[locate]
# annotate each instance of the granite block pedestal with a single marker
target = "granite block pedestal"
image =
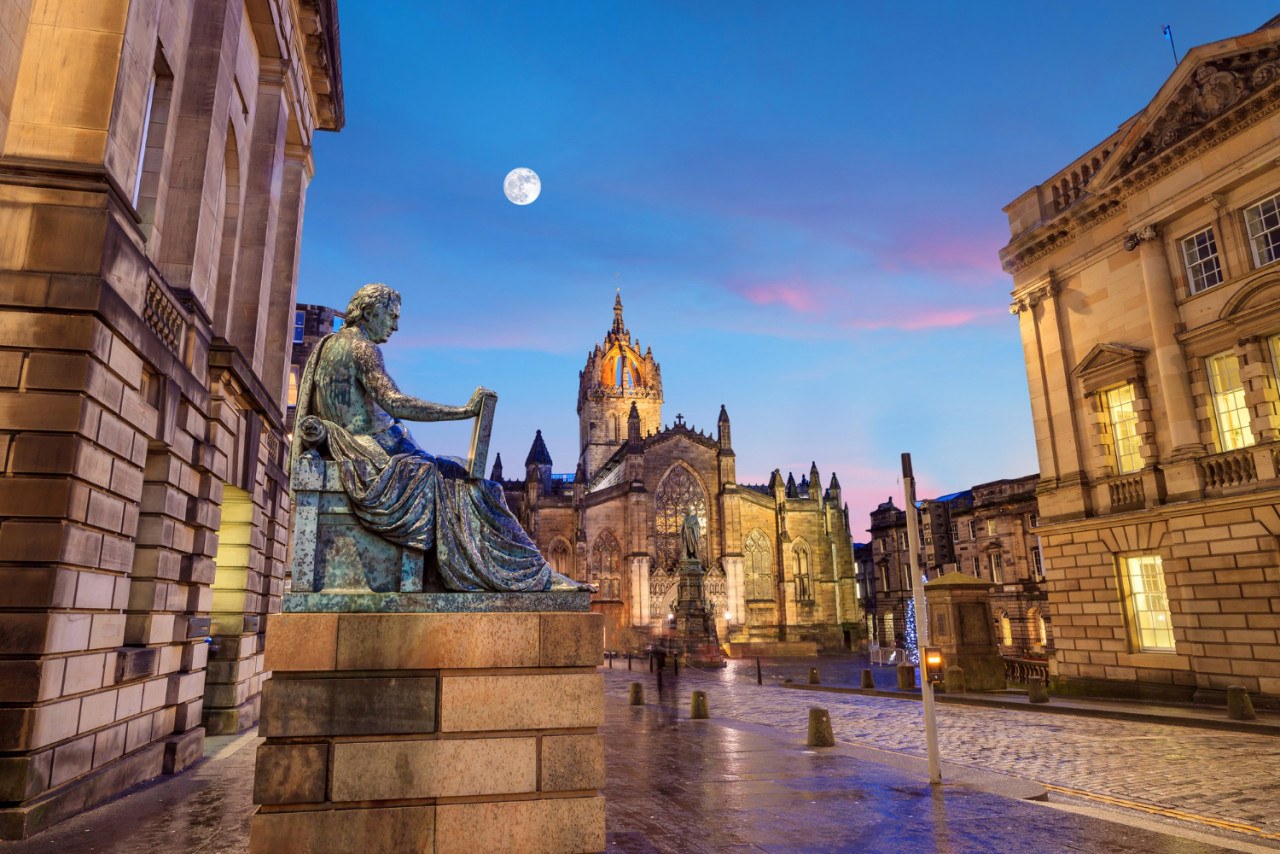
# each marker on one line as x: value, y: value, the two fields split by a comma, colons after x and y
x: 472, y: 727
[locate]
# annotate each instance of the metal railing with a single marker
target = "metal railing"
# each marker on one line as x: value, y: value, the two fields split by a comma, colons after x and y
x: 887, y: 655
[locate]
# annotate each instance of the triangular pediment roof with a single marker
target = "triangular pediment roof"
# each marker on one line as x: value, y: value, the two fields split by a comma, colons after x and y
x: 1210, y: 85
x: 1103, y: 356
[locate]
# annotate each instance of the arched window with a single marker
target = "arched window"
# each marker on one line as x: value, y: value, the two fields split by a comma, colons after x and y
x: 1006, y: 629
x: 1042, y: 630
x: 758, y: 556
x: 679, y: 493
x: 890, y: 638
x: 605, y: 559
x: 560, y: 560
x: 800, y: 566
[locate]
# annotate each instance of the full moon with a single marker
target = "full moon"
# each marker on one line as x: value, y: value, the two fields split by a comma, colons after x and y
x: 522, y: 185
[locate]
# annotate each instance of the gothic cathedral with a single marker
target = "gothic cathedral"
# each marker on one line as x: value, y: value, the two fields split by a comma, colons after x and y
x: 779, y: 557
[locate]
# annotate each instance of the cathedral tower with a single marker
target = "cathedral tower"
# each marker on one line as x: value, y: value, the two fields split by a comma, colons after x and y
x: 616, y: 377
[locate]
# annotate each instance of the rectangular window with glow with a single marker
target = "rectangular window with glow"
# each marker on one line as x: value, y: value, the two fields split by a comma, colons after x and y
x: 293, y: 385
x: 1231, y: 415
x: 1263, y: 223
x: 1200, y: 257
x: 1149, y: 603
x: 991, y: 527
x: 1124, y: 428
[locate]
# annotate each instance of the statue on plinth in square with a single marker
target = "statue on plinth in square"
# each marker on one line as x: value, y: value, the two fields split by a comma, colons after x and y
x: 689, y: 534
x: 349, y: 405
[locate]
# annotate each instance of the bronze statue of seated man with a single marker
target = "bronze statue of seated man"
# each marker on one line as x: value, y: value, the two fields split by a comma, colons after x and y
x: 395, y: 488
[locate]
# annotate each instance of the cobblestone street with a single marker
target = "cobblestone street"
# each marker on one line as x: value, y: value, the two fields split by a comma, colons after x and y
x: 1222, y: 776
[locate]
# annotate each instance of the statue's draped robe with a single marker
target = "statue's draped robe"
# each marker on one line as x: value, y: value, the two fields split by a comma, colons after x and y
x: 407, y: 496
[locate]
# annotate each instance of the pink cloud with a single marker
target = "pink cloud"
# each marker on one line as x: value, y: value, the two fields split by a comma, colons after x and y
x: 794, y: 294
x: 927, y: 319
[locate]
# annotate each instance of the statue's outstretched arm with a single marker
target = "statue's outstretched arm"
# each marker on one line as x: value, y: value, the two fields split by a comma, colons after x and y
x: 400, y: 405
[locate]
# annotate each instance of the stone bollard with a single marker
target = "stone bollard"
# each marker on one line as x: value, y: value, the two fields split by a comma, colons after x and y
x: 1036, y: 692
x: 698, y: 710
x: 906, y: 677
x: 820, y: 728
x: 1239, y: 706
x: 813, y: 676
x: 637, y: 694
x: 868, y: 681
x: 954, y: 679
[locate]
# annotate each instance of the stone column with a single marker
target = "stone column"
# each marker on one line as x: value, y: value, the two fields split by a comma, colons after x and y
x: 1171, y: 365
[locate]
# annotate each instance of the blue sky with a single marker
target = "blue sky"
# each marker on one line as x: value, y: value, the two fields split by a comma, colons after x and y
x: 801, y: 203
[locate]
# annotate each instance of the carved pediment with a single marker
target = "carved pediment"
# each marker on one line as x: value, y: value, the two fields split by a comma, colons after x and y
x: 1259, y: 295
x: 1212, y: 87
x: 1109, y: 364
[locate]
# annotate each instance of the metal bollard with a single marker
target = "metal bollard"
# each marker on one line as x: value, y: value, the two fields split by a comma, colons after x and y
x: 628, y: 661
x: 868, y: 681
x: 659, y: 683
x: 813, y: 676
x: 1239, y: 706
x: 698, y: 710
x: 759, y: 676
x: 820, y: 734
x: 954, y: 679
x: 610, y: 655
x: 651, y: 662
x: 637, y: 694
x: 675, y: 664
x: 1036, y: 692
x: 906, y: 677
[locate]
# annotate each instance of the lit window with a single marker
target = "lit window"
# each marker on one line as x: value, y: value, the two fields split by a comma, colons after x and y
x: 804, y: 587
x: 997, y: 573
x: 293, y: 385
x: 1042, y: 628
x: 757, y: 553
x: 888, y: 628
x: 299, y: 325
x: 1124, y: 428
x: 1038, y: 563
x: 1230, y: 412
x: 1006, y: 629
x: 1149, y: 603
x: 1263, y: 222
x: 1200, y: 256
x: 991, y: 527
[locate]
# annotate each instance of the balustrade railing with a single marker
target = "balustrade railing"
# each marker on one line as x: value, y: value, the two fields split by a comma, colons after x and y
x: 1127, y: 493
x: 1233, y: 468
x: 1020, y: 670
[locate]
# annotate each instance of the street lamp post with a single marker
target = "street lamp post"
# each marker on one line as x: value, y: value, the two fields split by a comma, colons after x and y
x: 922, y: 627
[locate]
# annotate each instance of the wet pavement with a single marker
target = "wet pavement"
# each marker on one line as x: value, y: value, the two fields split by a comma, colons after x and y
x: 744, y: 781
x: 1217, y: 778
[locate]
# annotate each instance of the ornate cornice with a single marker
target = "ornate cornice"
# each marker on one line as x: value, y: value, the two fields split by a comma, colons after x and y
x: 1033, y: 296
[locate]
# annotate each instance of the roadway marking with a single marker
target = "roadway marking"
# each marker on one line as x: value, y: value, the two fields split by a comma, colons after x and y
x: 1236, y: 826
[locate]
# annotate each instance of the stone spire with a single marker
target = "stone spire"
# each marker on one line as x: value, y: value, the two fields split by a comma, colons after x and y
x: 538, y: 453
x: 618, y: 327
x: 633, y: 425
x: 723, y: 433
x: 496, y: 474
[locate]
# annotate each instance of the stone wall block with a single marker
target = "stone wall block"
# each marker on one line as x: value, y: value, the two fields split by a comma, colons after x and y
x: 572, y: 762
x: 572, y: 640
x: 291, y: 773
x: 344, y: 831
x: 302, y: 707
x: 392, y: 770
x: 432, y: 641
x: 530, y: 827
x: 548, y: 701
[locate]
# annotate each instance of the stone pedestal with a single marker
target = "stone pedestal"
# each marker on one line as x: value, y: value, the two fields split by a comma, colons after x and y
x: 960, y: 624
x: 695, y: 634
x: 471, y: 726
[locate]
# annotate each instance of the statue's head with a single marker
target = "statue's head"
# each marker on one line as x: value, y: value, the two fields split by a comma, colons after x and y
x: 375, y: 308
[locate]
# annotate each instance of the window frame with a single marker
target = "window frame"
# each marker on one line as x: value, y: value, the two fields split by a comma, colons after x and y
x: 1237, y: 406
x: 1138, y: 629
x: 1251, y: 219
x: 995, y: 563
x: 299, y: 326
x: 1197, y: 268
x: 1128, y: 457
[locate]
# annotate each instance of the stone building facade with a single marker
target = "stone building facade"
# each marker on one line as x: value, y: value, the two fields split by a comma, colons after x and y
x: 1147, y: 294
x: 154, y: 161
x: 779, y: 558
x: 989, y: 532
x: 310, y: 324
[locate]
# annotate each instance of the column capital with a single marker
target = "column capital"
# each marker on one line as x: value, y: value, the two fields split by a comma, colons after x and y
x: 1028, y: 298
x: 1146, y: 234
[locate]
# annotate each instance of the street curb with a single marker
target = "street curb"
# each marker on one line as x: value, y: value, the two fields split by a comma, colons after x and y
x: 1250, y: 727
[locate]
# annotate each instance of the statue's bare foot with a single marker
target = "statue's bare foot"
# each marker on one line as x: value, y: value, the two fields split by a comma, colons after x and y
x: 562, y: 582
